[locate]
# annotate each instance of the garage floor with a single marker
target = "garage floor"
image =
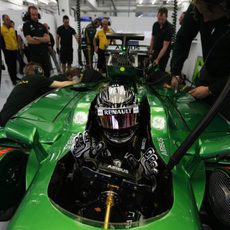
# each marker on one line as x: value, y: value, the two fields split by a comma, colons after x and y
x: 6, y: 87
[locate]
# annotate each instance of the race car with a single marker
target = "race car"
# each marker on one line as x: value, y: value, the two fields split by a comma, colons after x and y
x: 119, y: 153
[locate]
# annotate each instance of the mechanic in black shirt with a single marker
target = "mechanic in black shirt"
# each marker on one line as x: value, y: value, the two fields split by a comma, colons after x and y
x: 30, y: 87
x: 65, y: 35
x: 89, y: 34
x: 212, y: 20
x: 160, y: 44
x: 37, y: 38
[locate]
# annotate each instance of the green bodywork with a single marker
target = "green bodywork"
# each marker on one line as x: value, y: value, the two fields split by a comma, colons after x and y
x: 42, y: 130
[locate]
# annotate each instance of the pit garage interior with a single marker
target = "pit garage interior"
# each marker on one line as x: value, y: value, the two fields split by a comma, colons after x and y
x: 194, y: 141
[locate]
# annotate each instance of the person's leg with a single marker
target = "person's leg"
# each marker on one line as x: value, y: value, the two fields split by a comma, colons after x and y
x: 70, y: 59
x: 104, y: 62
x: 101, y: 60
x: 10, y: 58
x: 21, y: 62
x: 63, y: 59
x: 46, y: 65
x: 53, y: 55
x: 90, y: 56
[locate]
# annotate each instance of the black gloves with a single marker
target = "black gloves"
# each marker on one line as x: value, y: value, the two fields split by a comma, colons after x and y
x: 85, y: 147
x: 149, y: 162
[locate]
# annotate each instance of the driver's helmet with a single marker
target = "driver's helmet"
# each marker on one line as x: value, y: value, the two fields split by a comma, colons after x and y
x: 118, y: 113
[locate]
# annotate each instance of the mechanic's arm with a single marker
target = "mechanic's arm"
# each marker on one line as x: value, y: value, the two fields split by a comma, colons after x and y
x: 44, y: 39
x: 162, y: 52
x: 151, y: 45
x: 77, y: 37
x: 58, y: 39
x: 95, y: 44
x: 187, y: 32
x: 61, y: 84
x: 32, y: 41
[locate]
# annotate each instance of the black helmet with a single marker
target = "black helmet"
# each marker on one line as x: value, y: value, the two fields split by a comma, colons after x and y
x: 118, y: 113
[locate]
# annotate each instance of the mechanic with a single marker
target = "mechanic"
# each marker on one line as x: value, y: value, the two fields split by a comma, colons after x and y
x: 115, y: 135
x: 19, y: 56
x: 89, y: 34
x: 160, y: 44
x: 52, y: 52
x: 65, y: 35
x: 100, y: 38
x: 211, y: 19
x: 9, y: 47
x: 38, y: 39
x: 32, y: 86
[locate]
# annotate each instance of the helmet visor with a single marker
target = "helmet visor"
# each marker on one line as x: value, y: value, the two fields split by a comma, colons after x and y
x: 118, y: 118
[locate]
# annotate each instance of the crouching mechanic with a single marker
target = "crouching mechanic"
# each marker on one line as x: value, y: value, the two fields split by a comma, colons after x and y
x: 118, y: 139
x: 32, y: 86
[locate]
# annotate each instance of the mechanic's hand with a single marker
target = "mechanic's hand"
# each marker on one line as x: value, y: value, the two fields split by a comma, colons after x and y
x: 156, y: 61
x: 200, y: 92
x: 149, y: 162
x: 175, y: 82
x: 85, y: 147
x: 58, y: 51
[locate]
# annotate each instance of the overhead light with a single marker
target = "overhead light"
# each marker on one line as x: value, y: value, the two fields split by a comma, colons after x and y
x: 32, y: 1
x: 153, y: 2
x: 17, y: 2
x: 140, y: 2
x: 44, y: 1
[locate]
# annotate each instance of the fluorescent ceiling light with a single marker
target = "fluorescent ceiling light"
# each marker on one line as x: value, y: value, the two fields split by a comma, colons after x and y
x: 17, y: 2
x: 140, y: 2
x: 153, y: 2
x: 44, y: 1
x: 32, y: 1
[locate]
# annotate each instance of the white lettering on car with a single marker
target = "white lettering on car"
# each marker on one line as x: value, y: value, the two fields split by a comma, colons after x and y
x: 162, y: 146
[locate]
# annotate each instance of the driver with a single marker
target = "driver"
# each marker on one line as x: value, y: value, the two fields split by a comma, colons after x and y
x: 119, y: 138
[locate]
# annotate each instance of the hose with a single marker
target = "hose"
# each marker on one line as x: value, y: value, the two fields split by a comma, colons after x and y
x: 78, y: 16
x: 174, y: 20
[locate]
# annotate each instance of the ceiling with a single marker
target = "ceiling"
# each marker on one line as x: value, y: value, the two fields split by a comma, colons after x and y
x: 116, y: 7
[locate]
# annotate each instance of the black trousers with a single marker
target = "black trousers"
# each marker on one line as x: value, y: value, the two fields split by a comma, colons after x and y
x: 11, y: 62
x: 101, y: 63
x: 43, y: 60
x: 88, y: 53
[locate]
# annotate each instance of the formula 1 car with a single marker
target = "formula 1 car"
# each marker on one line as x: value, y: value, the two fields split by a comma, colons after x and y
x: 182, y: 181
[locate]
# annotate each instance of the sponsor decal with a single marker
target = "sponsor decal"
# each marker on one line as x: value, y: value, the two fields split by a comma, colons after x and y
x: 80, y: 118
x: 162, y: 146
x: 115, y: 168
x: 107, y: 112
